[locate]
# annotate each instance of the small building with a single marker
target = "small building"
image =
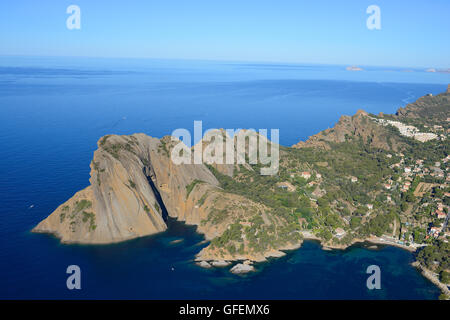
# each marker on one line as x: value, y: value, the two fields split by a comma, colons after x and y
x: 353, y: 179
x: 434, y: 231
x: 340, y: 232
x: 440, y: 214
x: 286, y: 186
x: 369, y: 206
x: 407, y: 169
x: 306, y: 175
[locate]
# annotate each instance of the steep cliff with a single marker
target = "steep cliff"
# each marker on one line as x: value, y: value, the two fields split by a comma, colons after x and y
x: 133, y: 185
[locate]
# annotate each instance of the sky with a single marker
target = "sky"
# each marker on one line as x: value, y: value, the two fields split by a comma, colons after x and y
x: 413, y: 33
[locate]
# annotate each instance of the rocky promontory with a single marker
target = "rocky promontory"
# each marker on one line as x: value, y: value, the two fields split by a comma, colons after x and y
x: 351, y: 183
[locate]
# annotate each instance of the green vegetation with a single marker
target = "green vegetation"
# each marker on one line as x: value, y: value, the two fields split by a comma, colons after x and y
x: 233, y: 233
x: 379, y: 225
x: 375, y: 203
x: 115, y: 148
x: 82, y: 205
x: 89, y: 216
x: 444, y: 277
x: 78, y: 214
x: 335, y: 165
x: 162, y: 147
x: 435, y: 257
x: 191, y: 186
x: 103, y: 140
x: 63, y: 214
x: 202, y: 200
x: 217, y: 216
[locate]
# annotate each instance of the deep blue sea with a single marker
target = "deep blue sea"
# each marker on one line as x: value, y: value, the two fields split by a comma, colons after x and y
x: 53, y: 111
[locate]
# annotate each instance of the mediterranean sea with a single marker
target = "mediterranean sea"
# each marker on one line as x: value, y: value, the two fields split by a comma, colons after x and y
x: 54, y: 110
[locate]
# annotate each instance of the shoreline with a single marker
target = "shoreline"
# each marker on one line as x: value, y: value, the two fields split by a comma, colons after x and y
x: 428, y: 274
x: 372, y: 240
x: 431, y: 276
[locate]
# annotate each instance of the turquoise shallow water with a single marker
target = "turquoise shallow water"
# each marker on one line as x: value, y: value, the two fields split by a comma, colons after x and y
x: 53, y: 111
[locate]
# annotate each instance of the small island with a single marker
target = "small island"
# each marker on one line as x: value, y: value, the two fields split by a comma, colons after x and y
x: 354, y: 68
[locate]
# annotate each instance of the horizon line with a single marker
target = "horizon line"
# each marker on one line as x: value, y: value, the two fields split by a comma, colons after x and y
x: 226, y: 60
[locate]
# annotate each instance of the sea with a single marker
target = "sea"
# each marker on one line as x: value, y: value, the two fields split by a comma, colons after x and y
x: 53, y: 110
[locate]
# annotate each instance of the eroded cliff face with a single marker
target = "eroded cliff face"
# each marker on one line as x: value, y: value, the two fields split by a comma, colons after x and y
x: 130, y: 175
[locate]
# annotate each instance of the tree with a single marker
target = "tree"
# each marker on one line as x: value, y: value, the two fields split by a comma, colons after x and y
x: 444, y: 277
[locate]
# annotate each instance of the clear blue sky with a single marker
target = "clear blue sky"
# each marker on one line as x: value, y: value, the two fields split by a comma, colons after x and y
x: 414, y: 33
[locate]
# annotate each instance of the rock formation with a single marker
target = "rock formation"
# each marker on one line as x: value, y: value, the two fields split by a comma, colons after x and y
x: 359, y: 126
x: 133, y: 185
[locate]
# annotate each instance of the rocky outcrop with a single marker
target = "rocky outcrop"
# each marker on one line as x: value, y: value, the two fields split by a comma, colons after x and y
x: 433, y: 108
x: 220, y: 263
x: 360, y: 126
x: 204, y: 264
x: 133, y: 185
x: 241, y: 268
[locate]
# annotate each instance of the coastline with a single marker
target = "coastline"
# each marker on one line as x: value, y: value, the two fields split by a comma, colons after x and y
x: 431, y: 276
x: 428, y: 274
x: 214, y: 262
